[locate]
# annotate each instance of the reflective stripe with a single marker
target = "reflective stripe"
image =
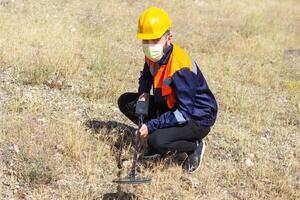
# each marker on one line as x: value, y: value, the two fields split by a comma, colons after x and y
x: 179, y: 117
x: 167, y: 81
x: 153, y: 70
x: 194, y: 67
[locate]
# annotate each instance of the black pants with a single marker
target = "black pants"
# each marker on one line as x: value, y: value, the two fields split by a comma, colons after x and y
x: 180, y: 138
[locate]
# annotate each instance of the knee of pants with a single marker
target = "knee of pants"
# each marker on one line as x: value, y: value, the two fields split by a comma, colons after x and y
x: 122, y: 101
x: 156, y: 143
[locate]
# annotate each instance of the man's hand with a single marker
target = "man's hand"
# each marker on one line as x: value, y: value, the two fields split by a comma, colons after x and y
x: 143, y: 132
x: 144, y: 97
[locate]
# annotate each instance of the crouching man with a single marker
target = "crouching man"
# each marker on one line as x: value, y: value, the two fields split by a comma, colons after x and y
x: 182, y: 108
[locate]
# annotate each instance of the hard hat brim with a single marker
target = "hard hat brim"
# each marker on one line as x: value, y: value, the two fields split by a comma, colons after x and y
x: 152, y: 36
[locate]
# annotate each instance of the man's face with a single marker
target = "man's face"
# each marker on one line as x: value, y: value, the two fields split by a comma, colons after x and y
x: 165, y: 40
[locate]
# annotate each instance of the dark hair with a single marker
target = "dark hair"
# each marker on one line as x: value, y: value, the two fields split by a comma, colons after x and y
x: 168, y: 32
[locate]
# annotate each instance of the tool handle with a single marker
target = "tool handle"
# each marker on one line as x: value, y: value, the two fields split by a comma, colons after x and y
x: 141, y: 119
x: 137, y: 145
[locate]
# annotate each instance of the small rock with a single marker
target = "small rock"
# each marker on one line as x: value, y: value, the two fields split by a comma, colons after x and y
x: 4, y: 2
x: 292, y: 52
x: 16, y: 149
x: 62, y: 183
x: 215, y: 144
x: 297, y: 177
x: 201, y: 3
x: 6, y: 183
x: 264, y: 139
x: 8, y: 172
x: 28, y: 94
x: 56, y: 82
x: 85, y: 72
x: 248, y: 162
x: 21, y: 194
x: 114, y: 108
x: 126, y: 163
x: 190, y: 182
x: 60, y: 148
x: 251, y: 155
x: 41, y: 120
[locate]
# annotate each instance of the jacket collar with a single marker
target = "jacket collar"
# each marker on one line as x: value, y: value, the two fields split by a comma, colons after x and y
x: 164, y: 60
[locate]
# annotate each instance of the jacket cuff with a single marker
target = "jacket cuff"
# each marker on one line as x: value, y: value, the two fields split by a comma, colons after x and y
x: 152, y: 125
x: 143, y: 89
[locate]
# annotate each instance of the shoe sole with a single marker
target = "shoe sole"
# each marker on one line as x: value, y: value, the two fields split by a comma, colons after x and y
x: 201, y: 157
x: 151, y: 157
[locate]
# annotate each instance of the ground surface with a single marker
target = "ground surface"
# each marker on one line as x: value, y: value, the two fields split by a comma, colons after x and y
x: 63, y: 65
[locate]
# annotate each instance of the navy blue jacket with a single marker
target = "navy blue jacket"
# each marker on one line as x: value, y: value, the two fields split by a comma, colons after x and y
x: 193, y: 96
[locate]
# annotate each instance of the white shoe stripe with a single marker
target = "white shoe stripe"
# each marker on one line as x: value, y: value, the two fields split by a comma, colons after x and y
x: 201, y: 157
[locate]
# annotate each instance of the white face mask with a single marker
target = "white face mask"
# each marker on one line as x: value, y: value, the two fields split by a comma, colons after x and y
x: 153, y: 51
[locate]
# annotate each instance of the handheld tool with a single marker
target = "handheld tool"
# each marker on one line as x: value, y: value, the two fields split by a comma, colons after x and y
x: 141, y: 111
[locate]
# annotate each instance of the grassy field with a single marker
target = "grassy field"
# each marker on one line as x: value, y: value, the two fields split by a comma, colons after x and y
x: 64, y: 62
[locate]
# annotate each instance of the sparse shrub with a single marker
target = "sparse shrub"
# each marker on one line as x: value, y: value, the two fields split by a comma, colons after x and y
x: 293, y: 85
x: 100, y: 64
x: 252, y: 25
x: 33, y: 74
x: 294, y: 89
x: 34, y: 170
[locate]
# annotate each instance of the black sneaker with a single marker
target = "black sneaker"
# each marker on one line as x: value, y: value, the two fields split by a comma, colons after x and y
x: 148, y: 154
x: 193, y: 162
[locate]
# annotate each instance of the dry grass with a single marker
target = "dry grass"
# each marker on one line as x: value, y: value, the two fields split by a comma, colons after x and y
x: 64, y: 62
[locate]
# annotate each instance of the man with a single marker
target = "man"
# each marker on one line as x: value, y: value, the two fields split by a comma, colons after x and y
x: 182, y: 108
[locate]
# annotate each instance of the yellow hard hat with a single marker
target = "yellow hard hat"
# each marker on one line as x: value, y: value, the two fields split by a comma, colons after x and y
x: 153, y: 23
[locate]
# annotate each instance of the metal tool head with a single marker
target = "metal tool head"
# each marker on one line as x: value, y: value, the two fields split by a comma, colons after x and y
x: 132, y: 180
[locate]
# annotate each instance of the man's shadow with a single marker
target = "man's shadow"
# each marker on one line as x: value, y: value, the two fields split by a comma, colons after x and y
x: 123, y: 132
x: 119, y: 196
x: 125, y: 139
